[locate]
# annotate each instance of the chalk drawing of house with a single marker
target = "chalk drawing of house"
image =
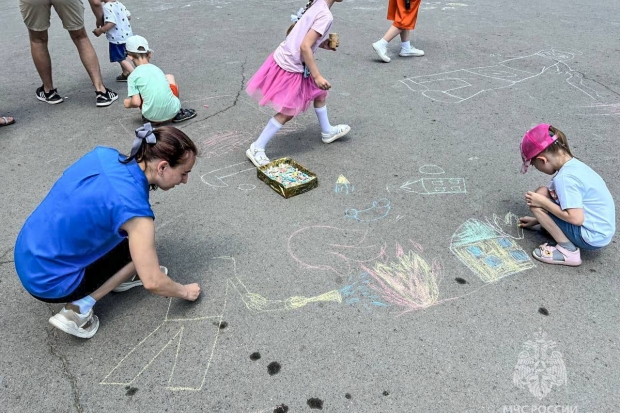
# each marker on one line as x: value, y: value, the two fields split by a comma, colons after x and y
x: 490, y: 253
x: 426, y: 186
x: 343, y: 185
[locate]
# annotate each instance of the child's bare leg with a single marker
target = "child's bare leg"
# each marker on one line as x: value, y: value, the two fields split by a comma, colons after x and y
x: 545, y: 221
x: 392, y: 33
x: 281, y: 118
x: 126, y: 67
x: 319, y: 102
x: 405, y: 35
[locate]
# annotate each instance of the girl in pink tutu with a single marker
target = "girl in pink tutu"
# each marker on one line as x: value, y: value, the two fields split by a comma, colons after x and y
x: 290, y: 80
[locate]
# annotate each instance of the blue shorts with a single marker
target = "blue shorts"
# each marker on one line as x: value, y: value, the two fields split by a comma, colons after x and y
x: 117, y: 52
x: 573, y: 233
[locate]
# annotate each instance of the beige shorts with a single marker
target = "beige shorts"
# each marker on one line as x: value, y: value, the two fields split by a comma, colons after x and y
x: 36, y: 13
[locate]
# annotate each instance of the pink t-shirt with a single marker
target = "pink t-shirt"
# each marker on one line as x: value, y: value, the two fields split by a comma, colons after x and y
x: 318, y: 18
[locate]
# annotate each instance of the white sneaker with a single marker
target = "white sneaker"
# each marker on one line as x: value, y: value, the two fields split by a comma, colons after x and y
x: 69, y: 320
x: 381, y: 51
x: 337, y: 132
x: 412, y: 51
x: 257, y: 156
x: 135, y: 282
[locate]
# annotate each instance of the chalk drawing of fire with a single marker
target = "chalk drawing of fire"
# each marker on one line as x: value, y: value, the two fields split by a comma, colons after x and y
x: 408, y: 281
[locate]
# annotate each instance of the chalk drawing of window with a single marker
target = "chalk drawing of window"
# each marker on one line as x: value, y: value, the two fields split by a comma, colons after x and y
x: 489, y: 253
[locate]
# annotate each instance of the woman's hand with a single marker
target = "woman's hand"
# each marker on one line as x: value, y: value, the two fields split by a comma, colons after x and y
x: 192, y: 291
x: 322, y: 83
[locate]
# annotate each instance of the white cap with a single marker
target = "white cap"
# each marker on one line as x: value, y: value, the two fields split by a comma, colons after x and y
x: 135, y: 43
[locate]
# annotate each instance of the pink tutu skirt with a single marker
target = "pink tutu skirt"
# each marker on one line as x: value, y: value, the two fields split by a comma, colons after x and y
x: 286, y: 92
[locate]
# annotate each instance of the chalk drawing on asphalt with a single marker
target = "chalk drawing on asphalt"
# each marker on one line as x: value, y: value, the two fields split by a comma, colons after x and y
x: 257, y: 303
x: 338, y: 250
x: 184, y: 325
x: 216, y: 177
x: 378, y: 210
x: 343, y: 186
x: 434, y: 185
x: 489, y: 249
x: 460, y: 85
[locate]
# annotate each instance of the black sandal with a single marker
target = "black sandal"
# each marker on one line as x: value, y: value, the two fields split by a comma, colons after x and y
x: 183, y: 115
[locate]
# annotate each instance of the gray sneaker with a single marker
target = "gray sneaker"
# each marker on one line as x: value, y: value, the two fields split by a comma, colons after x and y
x: 135, y: 282
x: 72, y: 322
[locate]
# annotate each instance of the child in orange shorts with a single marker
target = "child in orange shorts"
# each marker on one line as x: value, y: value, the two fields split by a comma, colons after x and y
x: 404, y: 14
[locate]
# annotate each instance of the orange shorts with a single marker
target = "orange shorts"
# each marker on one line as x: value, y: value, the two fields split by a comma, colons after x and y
x: 175, y: 92
x: 403, y: 19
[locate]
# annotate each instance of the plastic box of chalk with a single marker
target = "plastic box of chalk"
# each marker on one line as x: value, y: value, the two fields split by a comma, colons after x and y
x: 287, y: 177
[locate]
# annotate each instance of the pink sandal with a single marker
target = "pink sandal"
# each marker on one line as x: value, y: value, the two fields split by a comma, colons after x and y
x: 571, y: 258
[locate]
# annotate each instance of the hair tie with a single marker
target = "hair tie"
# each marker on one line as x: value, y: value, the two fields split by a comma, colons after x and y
x: 143, y: 133
x: 296, y: 17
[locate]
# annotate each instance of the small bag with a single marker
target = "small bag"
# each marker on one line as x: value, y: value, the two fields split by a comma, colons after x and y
x: 306, y: 72
x: 407, y: 4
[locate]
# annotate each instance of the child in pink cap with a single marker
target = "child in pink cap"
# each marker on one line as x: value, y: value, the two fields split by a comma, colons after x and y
x: 576, y: 209
x: 289, y: 80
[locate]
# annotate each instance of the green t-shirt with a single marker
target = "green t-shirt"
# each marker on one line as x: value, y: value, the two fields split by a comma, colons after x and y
x: 158, y: 102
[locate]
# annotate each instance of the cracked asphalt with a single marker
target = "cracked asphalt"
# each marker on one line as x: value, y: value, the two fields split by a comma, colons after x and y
x: 297, y: 314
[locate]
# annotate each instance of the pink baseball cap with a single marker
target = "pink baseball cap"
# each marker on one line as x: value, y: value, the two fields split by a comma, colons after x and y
x: 534, y: 142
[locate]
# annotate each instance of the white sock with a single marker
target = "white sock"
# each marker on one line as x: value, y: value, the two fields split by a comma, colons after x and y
x: 85, y: 304
x: 405, y: 45
x: 383, y: 42
x: 272, y: 127
x: 321, y: 113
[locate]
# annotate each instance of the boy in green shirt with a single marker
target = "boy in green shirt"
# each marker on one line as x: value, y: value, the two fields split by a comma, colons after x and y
x: 148, y: 88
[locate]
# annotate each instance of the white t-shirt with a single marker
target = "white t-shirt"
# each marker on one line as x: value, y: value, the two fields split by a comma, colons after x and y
x: 116, y: 13
x: 318, y: 18
x: 578, y: 186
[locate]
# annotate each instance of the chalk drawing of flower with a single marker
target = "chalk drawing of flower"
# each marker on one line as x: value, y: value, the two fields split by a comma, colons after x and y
x: 409, y: 281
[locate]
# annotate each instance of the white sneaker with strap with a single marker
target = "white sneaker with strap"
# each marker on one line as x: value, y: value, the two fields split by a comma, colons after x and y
x: 337, y: 132
x: 257, y: 156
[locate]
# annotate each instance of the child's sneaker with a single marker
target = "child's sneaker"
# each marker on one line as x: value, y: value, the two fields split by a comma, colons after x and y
x: 381, y: 51
x: 337, y: 132
x: 412, y: 51
x: 135, y: 282
x: 122, y: 77
x: 183, y: 115
x: 257, y: 156
x: 52, y: 97
x: 72, y: 322
x: 106, y: 98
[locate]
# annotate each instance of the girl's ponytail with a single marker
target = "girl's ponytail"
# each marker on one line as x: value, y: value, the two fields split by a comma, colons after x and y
x: 296, y: 17
x: 560, y: 142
